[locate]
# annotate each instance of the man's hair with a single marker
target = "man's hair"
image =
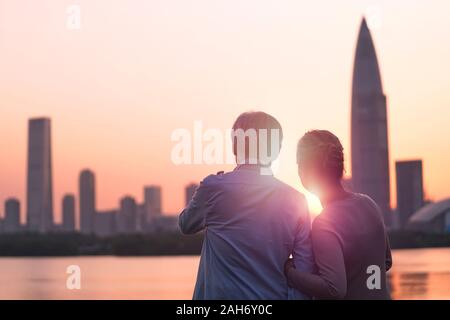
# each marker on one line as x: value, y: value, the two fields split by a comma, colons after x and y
x: 256, y: 136
x: 324, y: 149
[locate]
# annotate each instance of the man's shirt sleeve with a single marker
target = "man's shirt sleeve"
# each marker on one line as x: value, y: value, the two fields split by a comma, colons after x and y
x: 193, y: 218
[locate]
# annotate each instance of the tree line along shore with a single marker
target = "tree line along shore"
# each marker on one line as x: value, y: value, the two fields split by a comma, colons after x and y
x: 161, y: 244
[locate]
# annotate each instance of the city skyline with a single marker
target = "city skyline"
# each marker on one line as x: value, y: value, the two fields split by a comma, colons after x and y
x: 128, y: 218
x: 39, y: 214
x: 114, y: 106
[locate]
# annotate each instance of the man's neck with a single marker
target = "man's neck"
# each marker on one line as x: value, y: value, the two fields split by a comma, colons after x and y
x: 262, y: 169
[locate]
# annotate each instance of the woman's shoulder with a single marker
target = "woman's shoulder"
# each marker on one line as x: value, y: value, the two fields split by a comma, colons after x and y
x: 369, y: 203
x: 338, y: 210
x: 353, y: 200
x: 364, y: 197
x: 324, y: 221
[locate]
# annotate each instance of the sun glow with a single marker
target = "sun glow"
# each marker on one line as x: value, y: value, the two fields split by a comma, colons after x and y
x: 314, y: 205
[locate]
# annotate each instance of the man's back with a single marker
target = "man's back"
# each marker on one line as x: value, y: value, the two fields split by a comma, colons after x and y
x: 253, y: 223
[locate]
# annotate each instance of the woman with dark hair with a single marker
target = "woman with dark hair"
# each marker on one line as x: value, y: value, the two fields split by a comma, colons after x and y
x: 349, y: 240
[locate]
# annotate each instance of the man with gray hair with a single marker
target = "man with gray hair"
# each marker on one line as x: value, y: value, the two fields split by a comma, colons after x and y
x: 252, y: 221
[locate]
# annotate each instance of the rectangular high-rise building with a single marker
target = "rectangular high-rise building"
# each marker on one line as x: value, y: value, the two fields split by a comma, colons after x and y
x: 39, y: 176
x: 11, y: 223
x: 87, y: 201
x: 127, y: 219
x: 152, y: 202
x: 68, y: 211
x: 409, y: 189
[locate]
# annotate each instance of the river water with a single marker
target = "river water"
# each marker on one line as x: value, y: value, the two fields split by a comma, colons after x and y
x: 416, y: 274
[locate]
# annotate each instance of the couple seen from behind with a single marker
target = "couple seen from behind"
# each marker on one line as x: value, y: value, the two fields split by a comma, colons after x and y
x: 259, y: 242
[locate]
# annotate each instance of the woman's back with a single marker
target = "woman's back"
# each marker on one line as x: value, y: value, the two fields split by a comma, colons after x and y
x: 349, y: 240
x: 357, y: 225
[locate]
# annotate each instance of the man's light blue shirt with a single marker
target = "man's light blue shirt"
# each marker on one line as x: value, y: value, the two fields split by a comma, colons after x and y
x: 252, y: 224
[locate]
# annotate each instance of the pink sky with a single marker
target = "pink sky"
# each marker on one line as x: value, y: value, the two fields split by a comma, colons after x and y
x: 137, y: 70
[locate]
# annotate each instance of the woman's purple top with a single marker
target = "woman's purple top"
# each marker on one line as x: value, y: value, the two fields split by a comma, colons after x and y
x: 351, y: 251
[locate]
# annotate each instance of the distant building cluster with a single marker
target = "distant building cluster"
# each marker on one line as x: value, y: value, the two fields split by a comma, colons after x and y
x: 130, y: 217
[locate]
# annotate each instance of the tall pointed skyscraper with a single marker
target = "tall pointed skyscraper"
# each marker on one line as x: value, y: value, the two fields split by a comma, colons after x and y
x: 39, y: 178
x: 369, y: 138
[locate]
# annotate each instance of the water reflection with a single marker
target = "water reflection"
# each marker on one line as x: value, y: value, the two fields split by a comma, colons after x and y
x: 416, y: 274
x: 409, y: 285
x: 420, y: 274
